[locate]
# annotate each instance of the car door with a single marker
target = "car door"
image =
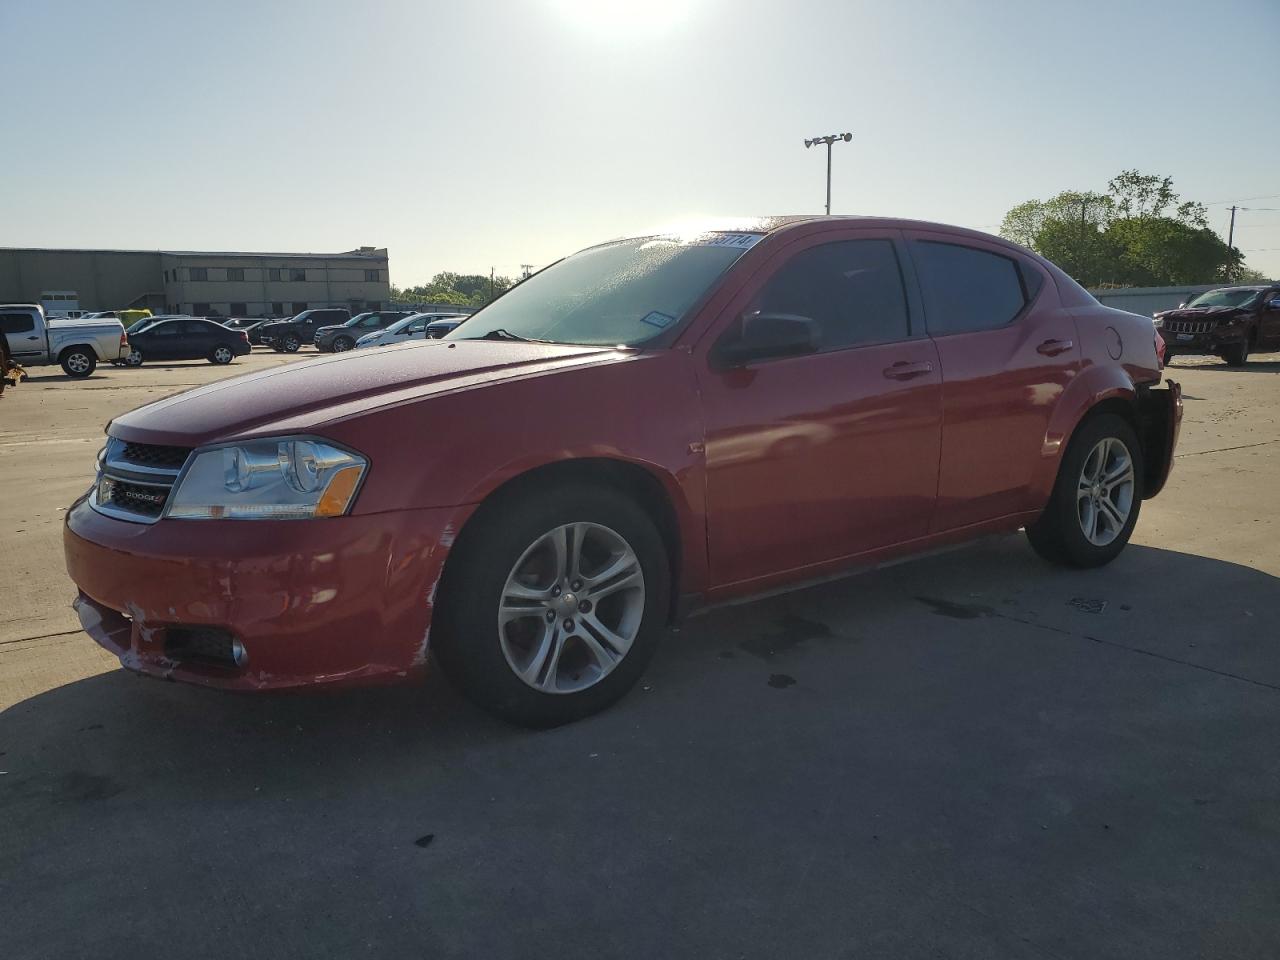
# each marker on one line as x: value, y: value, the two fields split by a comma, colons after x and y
x: 26, y: 343
x: 195, y: 340
x: 821, y: 456
x: 1008, y: 349
x: 1269, y: 321
x: 160, y: 342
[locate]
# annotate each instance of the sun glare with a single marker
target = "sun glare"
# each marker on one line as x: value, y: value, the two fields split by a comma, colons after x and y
x: 624, y: 17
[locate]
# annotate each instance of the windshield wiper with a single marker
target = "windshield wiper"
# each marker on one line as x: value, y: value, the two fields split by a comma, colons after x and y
x: 497, y: 333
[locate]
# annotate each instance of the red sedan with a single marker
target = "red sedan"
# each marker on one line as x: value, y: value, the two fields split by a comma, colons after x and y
x: 647, y: 426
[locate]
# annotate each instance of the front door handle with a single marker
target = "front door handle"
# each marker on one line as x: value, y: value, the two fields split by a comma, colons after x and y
x: 33, y: 338
x: 1051, y: 348
x: 905, y: 370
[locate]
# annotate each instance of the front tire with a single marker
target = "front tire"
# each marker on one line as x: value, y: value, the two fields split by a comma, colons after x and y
x: 291, y: 344
x: 1096, y: 498
x: 134, y: 359
x: 343, y: 344
x: 78, y: 362
x: 552, y: 604
x: 1237, y: 355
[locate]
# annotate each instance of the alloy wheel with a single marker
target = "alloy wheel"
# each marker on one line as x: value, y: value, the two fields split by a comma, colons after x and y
x: 571, y: 608
x: 1104, y: 493
x: 223, y: 355
x: 78, y: 363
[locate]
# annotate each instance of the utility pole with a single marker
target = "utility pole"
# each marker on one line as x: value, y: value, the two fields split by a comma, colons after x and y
x: 491, y: 284
x: 1231, y: 230
x: 828, y: 140
x: 526, y: 269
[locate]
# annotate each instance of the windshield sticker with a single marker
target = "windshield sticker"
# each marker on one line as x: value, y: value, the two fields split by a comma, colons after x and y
x: 657, y: 319
x: 743, y: 241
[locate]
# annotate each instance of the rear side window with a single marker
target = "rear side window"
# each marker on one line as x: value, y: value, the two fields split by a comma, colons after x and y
x: 853, y: 289
x: 967, y: 289
x: 16, y: 322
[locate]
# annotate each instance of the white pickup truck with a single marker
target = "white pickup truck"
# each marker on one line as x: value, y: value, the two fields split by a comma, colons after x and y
x: 78, y: 345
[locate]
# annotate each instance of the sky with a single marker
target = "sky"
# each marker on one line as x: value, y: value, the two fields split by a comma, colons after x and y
x: 493, y: 133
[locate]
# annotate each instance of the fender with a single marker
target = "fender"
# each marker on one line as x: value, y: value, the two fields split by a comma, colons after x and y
x: 1093, y: 385
x: 684, y: 492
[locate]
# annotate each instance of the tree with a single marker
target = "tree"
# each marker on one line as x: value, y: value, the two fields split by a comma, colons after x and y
x: 463, y: 290
x: 1136, y: 234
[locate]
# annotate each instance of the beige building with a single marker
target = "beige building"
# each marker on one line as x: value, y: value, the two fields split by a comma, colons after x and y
x: 202, y: 284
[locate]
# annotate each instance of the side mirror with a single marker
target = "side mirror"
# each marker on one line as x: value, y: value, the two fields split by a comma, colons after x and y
x: 761, y: 336
x: 1273, y: 303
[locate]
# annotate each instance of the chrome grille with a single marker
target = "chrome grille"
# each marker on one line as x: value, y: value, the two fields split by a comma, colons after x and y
x: 135, y: 480
x: 1189, y: 326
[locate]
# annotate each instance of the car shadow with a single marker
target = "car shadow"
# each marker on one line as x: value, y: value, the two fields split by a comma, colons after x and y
x: 249, y: 734
x: 977, y: 720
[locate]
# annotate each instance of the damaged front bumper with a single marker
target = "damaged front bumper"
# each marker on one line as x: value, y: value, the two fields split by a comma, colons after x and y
x: 258, y: 605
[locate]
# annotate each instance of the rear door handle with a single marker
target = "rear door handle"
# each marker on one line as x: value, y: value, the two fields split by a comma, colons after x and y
x: 33, y: 338
x: 905, y: 370
x: 1051, y: 348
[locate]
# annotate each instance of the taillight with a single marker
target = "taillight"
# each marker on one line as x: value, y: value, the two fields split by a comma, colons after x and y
x: 1159, y: 350
x: 244, y: 336
x: 124, y: 339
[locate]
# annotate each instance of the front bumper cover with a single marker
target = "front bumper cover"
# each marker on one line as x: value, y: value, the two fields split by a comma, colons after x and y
x: 345, y: 600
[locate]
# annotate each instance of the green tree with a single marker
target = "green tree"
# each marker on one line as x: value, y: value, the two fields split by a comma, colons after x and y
x: 1136, y: 234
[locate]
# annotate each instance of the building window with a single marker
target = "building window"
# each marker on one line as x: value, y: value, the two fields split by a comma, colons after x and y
x: 297, y: 273
x: 298, y: 307
x: 239, y: 309
x: 166, y: 276
x: 200, y: 309
x: 235, y: 273
x: 198, y: 273
x: 273, y: 273
x: 371, y: 276
x: 277, y: 308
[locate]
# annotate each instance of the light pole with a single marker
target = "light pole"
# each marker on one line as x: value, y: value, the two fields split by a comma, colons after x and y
x: 829, y: 140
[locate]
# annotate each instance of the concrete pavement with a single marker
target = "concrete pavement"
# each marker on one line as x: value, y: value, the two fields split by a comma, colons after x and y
x: 972, y: 755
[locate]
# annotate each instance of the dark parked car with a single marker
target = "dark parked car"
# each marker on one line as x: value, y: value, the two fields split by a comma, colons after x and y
x: 192, y: 338
x: 647, y: 426
x: 1230, y: 322
x: 343, y: 337
x: 289, y: 335
x: 250, y: 325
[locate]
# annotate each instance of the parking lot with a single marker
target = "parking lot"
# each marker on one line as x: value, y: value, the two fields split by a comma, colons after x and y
x: 969, y: 755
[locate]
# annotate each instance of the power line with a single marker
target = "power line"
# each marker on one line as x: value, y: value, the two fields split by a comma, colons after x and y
x: 1218, y: 203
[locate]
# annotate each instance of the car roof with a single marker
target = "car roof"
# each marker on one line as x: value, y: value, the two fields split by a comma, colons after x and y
x: 776, y: 224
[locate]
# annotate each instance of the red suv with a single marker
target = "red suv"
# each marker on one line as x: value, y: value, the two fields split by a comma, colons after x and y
x: 647, y: 426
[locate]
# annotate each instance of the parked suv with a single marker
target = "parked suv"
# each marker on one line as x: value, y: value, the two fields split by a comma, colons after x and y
x: 288, y: 335
x: 337, y: 339
x: 417, y: 326
x: 647, y: 426
x: 76, y: 345
x: 1230, y: 322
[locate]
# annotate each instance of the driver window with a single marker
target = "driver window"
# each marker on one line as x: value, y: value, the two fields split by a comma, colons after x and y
x: 417, y: 326
x: 853, y: 290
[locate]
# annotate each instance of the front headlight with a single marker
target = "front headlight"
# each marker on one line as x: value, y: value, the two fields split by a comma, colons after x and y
x: 288, y: 479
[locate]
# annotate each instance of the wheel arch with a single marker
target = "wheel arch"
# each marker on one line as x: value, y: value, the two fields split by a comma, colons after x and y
x: 87, y: 347
x: 658, y: 494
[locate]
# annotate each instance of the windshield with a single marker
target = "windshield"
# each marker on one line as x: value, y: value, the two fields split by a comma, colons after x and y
x: 1225, y: 298
x: 362, y: 320
x: 617, y: 294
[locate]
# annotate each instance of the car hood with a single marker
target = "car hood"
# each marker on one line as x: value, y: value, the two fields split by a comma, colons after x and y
x: 331, y: 328
x: 1201, y: 313
x: 303, y: 397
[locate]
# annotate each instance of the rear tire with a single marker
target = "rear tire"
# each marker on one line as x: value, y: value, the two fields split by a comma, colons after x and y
x: 222, y: 355
x: 505, y: 611
x: 134, y: 359
x: 78, y: 362
x: 1084, y: 499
